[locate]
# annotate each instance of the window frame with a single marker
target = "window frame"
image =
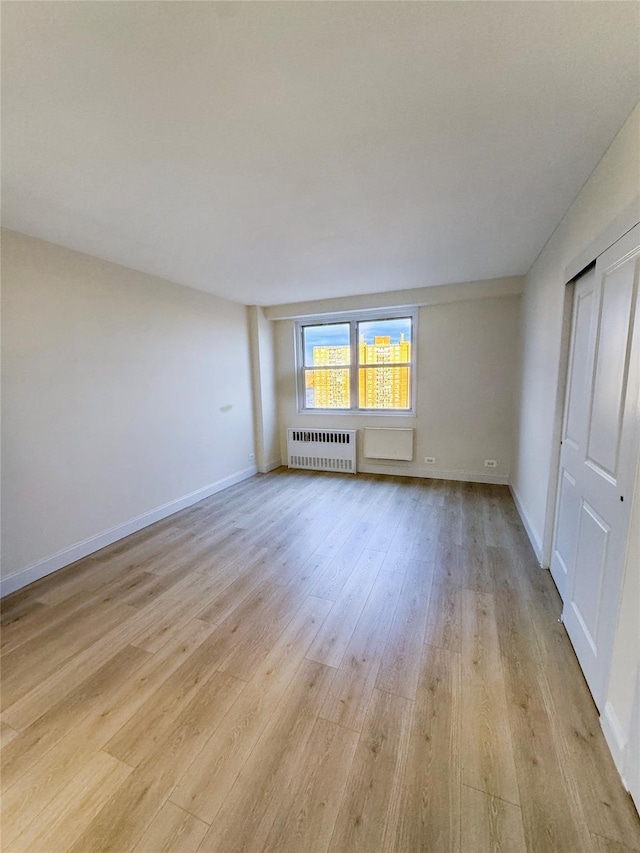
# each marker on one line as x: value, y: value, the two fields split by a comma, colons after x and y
x: 353, y: 318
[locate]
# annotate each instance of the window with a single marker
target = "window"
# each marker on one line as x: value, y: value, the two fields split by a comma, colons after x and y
x: 364, y: 364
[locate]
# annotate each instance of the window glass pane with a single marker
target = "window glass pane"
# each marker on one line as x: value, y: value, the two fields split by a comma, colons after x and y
x: 326, y: 344
x: 384, y: 341
x: 327, y: 389
x: 384, y: 388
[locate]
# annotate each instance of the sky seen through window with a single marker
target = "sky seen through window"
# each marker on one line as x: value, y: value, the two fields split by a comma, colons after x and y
x: 337, y: 334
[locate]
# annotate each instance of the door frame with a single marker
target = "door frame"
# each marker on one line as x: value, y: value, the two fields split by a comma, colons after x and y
x: 633, y: 437
x: 586, y: 258
x: 628, y: 449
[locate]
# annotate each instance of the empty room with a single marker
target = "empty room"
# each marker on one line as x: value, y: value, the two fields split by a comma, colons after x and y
x: 320, y: 374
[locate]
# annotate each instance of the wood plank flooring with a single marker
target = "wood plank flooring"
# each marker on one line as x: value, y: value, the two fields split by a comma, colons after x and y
x: 306, y: 663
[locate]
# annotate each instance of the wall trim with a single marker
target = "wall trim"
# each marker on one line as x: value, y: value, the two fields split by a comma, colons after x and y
x: 272, y: 465
x: 439, y: 294
x: 614, y: 735
x: 435, y: 474
x: 627, y: 219
x: 532, y: 533
x: 63, y: 558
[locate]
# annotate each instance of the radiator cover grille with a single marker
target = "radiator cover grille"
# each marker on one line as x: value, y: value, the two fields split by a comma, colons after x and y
x: 322, y: 449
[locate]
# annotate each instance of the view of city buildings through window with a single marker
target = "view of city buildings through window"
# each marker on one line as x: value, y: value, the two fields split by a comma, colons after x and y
x: 384, y: 365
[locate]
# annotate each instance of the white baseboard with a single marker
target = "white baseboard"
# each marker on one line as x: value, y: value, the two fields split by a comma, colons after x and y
x: 272, y: 465
x: 435, y: 474
x: 614, y: 737
x: 44, y: 567
x: 534, y: 538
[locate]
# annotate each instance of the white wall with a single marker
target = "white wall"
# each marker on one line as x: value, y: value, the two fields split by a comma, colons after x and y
x: 121, y: 393
x: 467, y: 373
x: 610, y: 196
x: 265, y: 413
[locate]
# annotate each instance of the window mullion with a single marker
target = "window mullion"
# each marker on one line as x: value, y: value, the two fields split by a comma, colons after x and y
x: 355, y: 402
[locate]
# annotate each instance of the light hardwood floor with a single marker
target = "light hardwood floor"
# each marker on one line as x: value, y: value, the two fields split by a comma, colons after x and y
x: 306, y: 663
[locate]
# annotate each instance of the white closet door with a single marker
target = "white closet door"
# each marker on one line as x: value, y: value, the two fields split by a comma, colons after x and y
x: 598, y: 456
x: 574, y: 432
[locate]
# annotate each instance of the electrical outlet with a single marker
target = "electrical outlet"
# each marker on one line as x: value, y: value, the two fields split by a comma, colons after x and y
x: 490, y: 463
x: 429, y: 459
x: 252, y: 456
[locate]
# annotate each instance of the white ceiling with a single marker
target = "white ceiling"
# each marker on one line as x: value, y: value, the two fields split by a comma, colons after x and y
x: 274, y: 152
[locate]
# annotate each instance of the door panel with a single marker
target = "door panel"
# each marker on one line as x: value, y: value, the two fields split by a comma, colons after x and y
x: 578, y: 388
x: 593, y: 538
x: 598, y: 457
x: 567, y: 525
x: 610, y: 370
x: 574, y: 430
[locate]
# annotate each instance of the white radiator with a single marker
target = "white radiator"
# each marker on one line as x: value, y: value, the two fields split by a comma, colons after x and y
x: 322, y: 449
x: 385, y: 443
